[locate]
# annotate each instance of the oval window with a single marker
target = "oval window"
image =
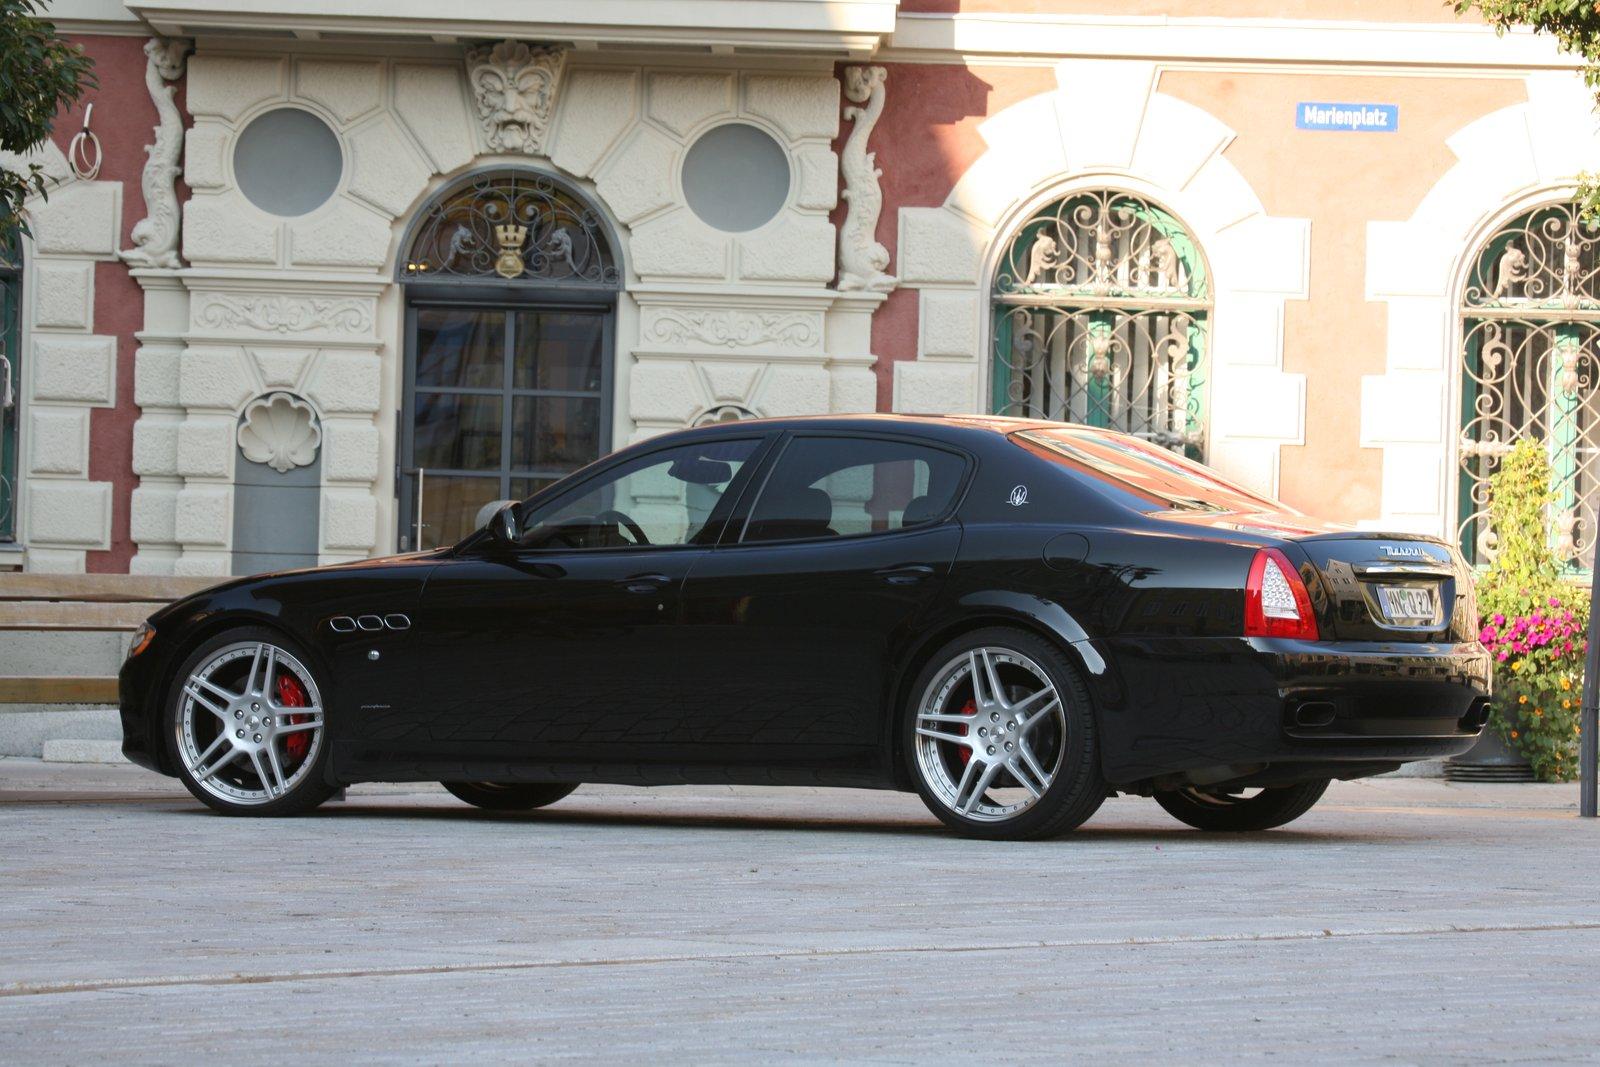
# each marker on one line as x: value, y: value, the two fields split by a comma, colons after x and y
x: 736, y: 177
x: 287, y: 162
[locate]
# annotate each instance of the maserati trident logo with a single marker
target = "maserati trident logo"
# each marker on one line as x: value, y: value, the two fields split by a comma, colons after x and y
x: 1406, y: 552
x: 1019, y: 496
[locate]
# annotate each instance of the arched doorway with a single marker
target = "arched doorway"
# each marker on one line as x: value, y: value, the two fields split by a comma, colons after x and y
x: 511, y: 283
x: 1101, y: 309
x: 1530, y: 360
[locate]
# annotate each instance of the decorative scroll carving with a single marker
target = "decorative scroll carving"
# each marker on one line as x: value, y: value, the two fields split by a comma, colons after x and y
x: 863, y: 261
x: 280, y: 430
x: 282, y: 314
x: 155, y: 237
x: 728, y: 328
x: 723, y: 413
x: 514, y: 87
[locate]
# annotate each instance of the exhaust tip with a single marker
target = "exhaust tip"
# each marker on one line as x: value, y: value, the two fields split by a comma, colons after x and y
x: 1315, y: 713
x: 1477, y: 717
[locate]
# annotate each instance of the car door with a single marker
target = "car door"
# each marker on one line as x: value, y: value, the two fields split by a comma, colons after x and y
x: 791, y: 624
x: 562, y: 649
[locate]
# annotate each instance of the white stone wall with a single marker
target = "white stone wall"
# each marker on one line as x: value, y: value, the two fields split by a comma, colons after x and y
x: 1105, y: 125
x: 307, y: 304
x: 67, y: 369
x: 1507, y: 162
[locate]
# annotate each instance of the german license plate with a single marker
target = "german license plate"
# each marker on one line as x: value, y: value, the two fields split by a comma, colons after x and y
x: 1407, y: 604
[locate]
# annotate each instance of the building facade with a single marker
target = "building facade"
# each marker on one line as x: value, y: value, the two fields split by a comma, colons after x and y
x: 319, y: 281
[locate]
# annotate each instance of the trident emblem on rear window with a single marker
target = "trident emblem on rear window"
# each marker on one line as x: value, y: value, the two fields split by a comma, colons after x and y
x: 1019, y: 496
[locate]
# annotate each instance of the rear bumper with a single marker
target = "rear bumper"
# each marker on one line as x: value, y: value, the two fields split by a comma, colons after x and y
x: 1206, y: 703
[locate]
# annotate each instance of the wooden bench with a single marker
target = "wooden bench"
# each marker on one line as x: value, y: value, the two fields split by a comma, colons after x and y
x: 79, y: 603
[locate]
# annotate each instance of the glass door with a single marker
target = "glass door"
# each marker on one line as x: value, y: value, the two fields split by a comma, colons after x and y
x: 501, y: 401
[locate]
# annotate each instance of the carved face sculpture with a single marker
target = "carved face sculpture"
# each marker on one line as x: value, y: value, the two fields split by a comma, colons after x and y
x: 514, y: 87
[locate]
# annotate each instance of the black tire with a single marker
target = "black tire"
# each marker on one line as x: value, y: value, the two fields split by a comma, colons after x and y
x: 1237, y: 814
x: 1076, y: 788
x: 509, y: 796
x: 305, y: 779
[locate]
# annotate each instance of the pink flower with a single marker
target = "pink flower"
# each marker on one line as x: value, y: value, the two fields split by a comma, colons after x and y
x: 1554, y: 602
x: 1499, y: 619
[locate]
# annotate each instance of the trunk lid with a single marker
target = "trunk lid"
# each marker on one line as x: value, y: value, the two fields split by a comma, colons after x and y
x: 1389, y: 587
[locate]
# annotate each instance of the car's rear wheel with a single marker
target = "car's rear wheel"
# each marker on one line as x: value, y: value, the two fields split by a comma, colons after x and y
x: 1000, y: 738
x: 246, y: 722
x: 1241, y: 810
x: 509, y: 796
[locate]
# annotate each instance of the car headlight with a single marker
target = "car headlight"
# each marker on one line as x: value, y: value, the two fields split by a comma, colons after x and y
x: 142, y: 636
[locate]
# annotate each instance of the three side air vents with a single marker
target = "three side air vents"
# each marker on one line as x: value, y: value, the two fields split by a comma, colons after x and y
x: 346, y: 624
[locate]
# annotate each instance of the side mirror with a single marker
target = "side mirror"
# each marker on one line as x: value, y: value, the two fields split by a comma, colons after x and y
x: 505, y: 525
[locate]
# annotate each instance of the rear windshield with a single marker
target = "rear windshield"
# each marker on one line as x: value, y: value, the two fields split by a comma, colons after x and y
x: 1139, y: 474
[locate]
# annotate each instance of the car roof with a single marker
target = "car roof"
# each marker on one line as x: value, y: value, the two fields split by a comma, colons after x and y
x: 930, y: 424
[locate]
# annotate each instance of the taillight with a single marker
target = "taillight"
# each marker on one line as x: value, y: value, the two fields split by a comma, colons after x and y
x: 1276, y: 603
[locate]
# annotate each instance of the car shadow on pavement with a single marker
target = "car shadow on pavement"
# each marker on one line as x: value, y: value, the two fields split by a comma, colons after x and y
x: 1089, y: 833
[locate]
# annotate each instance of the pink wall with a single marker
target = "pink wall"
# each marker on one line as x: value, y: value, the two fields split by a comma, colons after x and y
x: 925, y: 140
x: 123, y: 119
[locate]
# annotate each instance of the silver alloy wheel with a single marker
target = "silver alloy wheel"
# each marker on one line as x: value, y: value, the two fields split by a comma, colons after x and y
x: 234, y: 733
x: 991, y: 734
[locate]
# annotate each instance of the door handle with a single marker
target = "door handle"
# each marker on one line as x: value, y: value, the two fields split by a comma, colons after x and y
x: 905, y: 573
x: 645, y: 583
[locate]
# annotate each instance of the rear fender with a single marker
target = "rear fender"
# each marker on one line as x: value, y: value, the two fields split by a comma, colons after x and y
x: 1000, y: 607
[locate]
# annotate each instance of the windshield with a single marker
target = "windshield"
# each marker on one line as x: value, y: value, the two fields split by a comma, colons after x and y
x: 1140, y: 474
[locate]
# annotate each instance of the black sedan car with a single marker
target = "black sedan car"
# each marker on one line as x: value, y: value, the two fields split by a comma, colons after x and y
x: 1016, y: 619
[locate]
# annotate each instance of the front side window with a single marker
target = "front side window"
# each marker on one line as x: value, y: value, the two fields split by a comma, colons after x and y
x: 664, y: 498
x: 841, y: 487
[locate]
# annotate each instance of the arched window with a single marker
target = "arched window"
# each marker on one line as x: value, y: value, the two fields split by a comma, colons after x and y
x: 511, y: 282
x: 1530, y: 333
x: 1101, y: 307
x: 10, y: 381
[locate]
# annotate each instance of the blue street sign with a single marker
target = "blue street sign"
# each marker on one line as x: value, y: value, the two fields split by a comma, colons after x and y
x: 1351, y: 118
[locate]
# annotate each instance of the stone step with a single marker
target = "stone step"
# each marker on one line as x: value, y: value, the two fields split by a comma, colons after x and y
x: 25, y: 729
x: 46, y: 652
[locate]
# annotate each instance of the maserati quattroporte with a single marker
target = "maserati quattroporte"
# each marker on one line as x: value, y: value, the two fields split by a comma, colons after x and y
x: 1015, y: 619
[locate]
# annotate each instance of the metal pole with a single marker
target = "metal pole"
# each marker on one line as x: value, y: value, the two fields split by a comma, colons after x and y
x: 1589, y: 731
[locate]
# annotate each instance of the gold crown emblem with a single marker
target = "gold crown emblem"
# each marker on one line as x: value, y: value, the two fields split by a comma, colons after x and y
x: 509, y: 236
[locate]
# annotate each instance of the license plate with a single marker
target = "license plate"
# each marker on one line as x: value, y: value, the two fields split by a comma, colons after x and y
x: 1407, y: 604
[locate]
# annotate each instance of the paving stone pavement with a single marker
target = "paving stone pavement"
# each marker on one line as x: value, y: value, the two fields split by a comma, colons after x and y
x: 1401, y: 921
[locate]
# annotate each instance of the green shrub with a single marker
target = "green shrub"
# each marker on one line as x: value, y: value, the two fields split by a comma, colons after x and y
x: 1533, y: 620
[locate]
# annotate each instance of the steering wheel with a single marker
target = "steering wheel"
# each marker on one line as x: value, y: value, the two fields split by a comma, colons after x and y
x: 618, y: 519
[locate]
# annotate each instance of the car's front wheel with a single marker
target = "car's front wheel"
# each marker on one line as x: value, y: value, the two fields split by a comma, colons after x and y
x: 1001, y: 740
x: 246, y: 721
x: 1241, y: 810
x: 508, y: 796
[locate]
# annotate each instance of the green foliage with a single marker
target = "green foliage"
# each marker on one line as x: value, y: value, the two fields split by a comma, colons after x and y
x: 39, y: 75
x: 1533, y: 621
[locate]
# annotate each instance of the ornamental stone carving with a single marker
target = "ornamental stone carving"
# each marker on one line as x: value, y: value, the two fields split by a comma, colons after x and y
x: 726, y: 328
x: 155, y: 237
x: 280, y: 430
x: 282, y: 314
x: 863, y: 261
x: 514, y: 88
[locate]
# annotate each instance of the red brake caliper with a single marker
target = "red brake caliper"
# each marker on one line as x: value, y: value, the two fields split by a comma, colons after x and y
x: 291, y: 694
x: 969, y: 708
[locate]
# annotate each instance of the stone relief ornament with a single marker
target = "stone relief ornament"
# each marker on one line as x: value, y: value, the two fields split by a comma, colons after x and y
x: 514, y: 87
x: 280, y: 430
x: 863, y: 261
x: 282, y: 314
x: 732, y: 329
x: 155, y: 237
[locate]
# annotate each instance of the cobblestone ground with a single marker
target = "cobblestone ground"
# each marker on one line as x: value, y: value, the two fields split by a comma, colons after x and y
x: 1402, y: 920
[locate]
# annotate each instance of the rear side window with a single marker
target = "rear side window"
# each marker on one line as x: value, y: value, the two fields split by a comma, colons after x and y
x: 1144, y: 475
x: 846, y: 486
